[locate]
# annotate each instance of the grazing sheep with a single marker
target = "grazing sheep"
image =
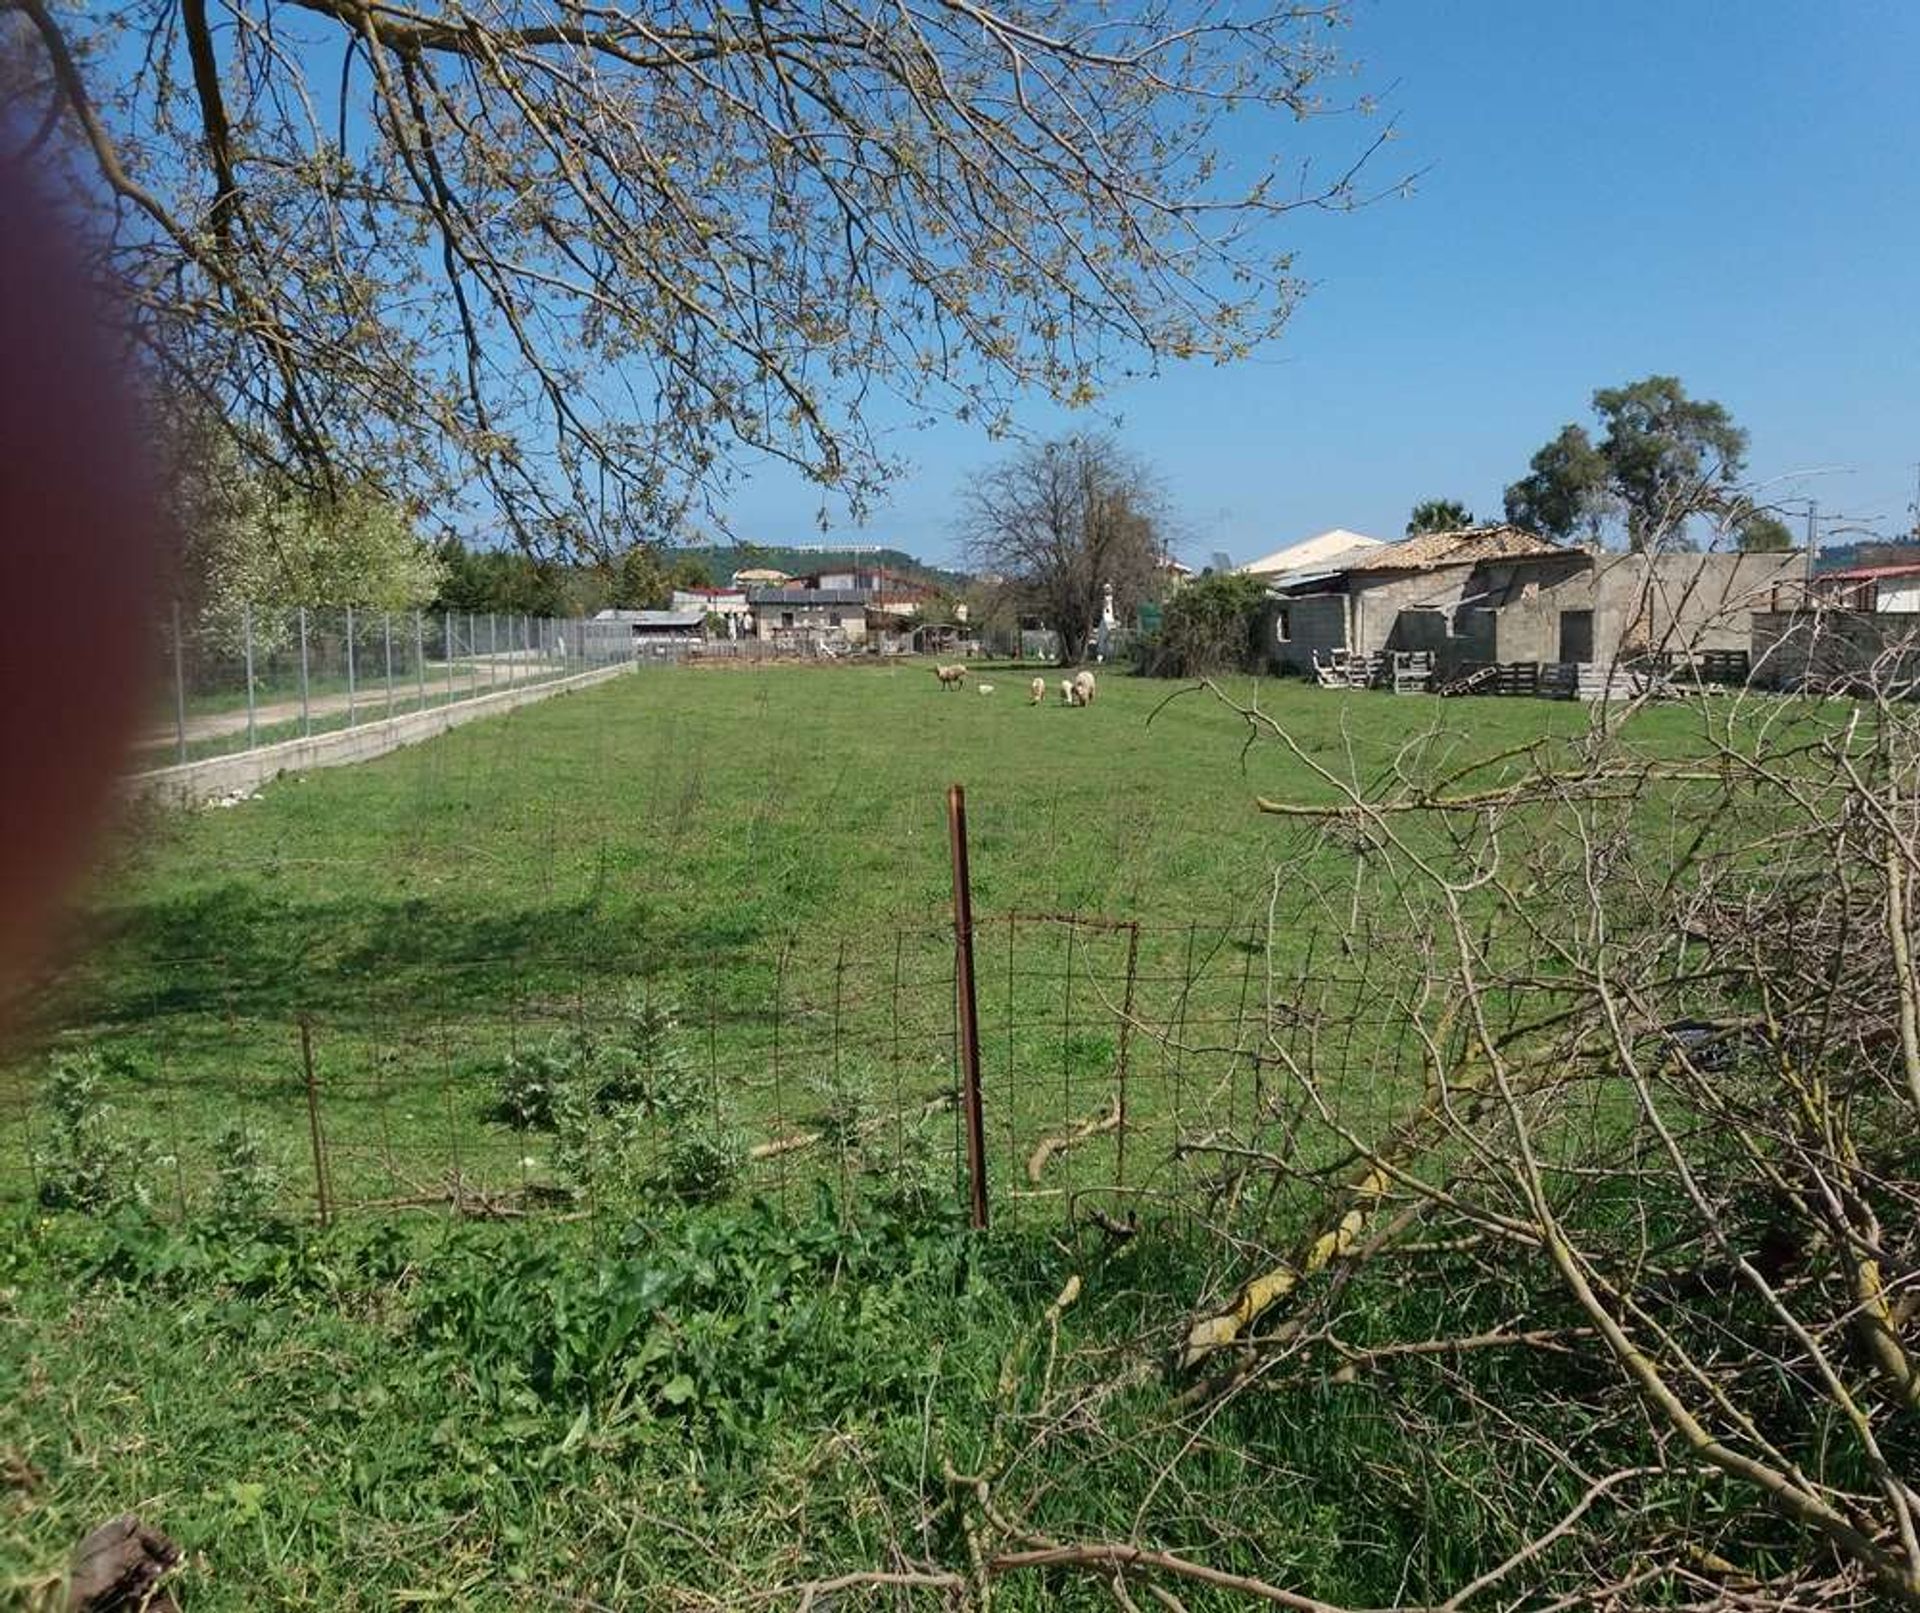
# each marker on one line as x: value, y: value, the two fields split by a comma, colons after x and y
x: 1083, y: 684
x: 1038, y: 689
x: 951, y: 677
x: 984, y: 688
x: 1066, y: 693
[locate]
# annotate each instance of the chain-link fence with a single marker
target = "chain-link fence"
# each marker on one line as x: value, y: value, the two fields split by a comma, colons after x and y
x: 232, y: 682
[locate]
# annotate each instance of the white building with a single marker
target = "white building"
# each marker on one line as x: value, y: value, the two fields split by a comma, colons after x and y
x: 1318, y: 553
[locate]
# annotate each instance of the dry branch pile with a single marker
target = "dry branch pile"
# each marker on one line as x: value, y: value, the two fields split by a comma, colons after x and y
x: 1657, y: 1118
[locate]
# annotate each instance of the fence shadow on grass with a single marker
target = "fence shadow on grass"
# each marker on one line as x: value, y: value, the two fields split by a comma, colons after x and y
x: 1117, y: 1057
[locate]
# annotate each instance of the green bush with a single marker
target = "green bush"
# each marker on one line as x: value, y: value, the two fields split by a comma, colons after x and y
x: 703, y: 1161
x: 646, y: 1064
x: 89, y: 1164
x: 1210, y: 625
x: 534, y: 1083
x: 246, y: 1179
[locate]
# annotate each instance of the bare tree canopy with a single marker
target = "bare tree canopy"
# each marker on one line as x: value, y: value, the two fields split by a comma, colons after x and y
x: 1060, y: 520
x: 579, y: 263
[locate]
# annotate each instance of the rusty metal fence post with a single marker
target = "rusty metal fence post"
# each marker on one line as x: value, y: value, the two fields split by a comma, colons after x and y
x: 969, y: 1019
x: 322, y: 1195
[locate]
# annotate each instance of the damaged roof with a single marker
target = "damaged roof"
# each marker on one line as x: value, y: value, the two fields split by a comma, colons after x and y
x: 1468, y: 546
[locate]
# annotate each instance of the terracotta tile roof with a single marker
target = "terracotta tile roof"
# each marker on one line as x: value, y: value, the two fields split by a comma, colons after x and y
x: 1466, y: 547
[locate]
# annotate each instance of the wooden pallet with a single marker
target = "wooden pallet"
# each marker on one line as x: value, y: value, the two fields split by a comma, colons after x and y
x: 1476, y: 680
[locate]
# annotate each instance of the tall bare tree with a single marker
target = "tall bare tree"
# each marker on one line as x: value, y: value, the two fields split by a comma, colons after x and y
x: 1060, y: 520
x: 579, y: 261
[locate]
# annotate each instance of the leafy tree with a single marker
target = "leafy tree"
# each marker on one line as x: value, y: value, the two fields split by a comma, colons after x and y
x: 1210, y: 625
x: 1060, y: 520
x: 1668, y: 456
x: 501, y: 580
x: 1761, y: 533
x: 1663, y: 457
x: 645, y: 576
x: 262, y: 543
x: 583, y: 261
x: 1565, y: 490
x: 1438, y: 515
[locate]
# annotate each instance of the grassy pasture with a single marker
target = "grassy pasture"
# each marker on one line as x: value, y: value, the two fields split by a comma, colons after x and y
x: 765, y: 849
x: 685, y: 1411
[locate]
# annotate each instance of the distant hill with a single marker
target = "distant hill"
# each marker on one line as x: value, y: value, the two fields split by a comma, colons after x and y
x: 1875, y: 552
x: 722, y: 560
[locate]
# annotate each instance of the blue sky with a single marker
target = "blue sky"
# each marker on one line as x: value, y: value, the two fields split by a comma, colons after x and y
x: 1725, y: 190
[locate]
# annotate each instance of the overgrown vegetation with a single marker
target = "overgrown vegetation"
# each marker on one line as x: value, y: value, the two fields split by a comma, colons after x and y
x: 1210, y: 625
x: 698, y: 1410
x: 1575, y: 1094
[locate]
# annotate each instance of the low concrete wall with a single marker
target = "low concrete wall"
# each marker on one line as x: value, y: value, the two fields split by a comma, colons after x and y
x: 191, y: 783
x: 1836, y: 650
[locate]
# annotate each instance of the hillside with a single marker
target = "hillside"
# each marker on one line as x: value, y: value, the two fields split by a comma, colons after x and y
x: 722, y: 560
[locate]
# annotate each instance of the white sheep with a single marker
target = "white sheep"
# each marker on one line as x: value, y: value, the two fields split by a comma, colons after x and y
x: 950, y: 677
x: 1084, y: 686
x: 1038, y: 689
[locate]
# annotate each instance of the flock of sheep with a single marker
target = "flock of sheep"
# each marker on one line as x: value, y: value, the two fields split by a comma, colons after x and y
x: 1078, y: 690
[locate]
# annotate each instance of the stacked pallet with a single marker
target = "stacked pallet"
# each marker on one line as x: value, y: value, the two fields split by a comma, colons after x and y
x: 1597, y: 681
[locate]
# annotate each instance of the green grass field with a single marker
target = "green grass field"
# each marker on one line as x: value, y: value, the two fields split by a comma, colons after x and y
x: 639, y: 1404
x: 766, y: 851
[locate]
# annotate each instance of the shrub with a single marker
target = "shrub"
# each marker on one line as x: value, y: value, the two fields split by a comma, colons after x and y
x: 703, y: 1161
x: 90, y: 1164
x: 246, y: 1179
x: 845, y: 1097
x: 533, y: 1083
x: 915, y: 1176
x: 646, y: 1064
x: 1211, y: 625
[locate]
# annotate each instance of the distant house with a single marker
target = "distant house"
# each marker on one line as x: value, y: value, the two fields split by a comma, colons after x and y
x: 1497, y: 595
x: 829, y: 615
x: 760, y: 577
x: 1856, y: 628
x: 729, y: 604
x: 1872, y: 588
x: 1311, y: 554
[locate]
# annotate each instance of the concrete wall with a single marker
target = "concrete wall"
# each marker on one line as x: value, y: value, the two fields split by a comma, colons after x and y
x: 1313, y: 622
x: 1686, y: 603
x: 191, y: 783
x: 1815, y: 650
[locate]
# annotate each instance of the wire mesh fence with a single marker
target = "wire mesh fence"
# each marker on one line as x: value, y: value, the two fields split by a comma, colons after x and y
x: 1123, y: 1064
x: 232, y: 681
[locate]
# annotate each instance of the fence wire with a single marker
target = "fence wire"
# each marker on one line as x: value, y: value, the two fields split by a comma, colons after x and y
x: 235, y: 680
x: 1123, y: 1066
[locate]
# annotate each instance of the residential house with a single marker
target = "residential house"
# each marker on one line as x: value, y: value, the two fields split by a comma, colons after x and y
x: 829, y: 616
x: 1846, y: 629
x: 729, y: 604
x: 1873, y: 588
